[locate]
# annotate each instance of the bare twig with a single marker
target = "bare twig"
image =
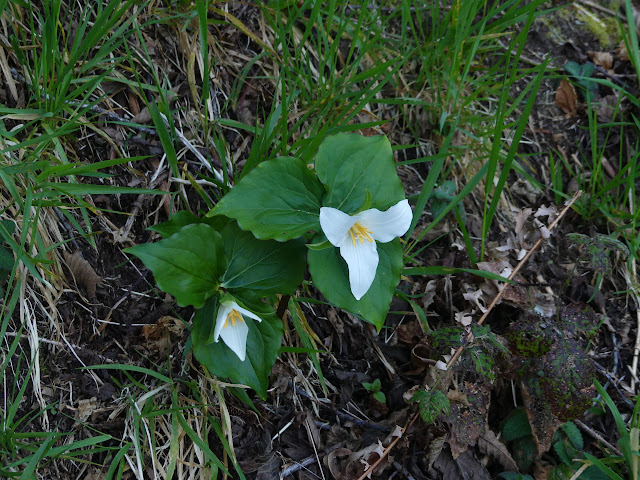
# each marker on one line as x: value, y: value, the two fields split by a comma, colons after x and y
x: 369, y: 470
x: 597, y: 436
x: 614, y: 382
x: 524, y: 260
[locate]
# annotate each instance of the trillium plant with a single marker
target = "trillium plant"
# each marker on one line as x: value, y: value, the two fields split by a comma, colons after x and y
x: 339, y: 214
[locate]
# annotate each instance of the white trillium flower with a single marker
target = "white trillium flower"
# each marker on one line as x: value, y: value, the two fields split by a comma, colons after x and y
x: 230, y: 325
x: 356, y: 236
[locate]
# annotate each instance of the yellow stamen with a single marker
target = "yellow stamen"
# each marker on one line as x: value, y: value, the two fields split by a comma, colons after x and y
x: 234, y: 316
x: 358, y: 232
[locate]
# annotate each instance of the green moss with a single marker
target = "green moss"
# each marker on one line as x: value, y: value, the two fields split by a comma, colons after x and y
x: 565, y: 23
x: 604, y: 28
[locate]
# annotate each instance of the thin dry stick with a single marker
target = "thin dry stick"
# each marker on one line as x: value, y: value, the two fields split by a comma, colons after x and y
x: 597, y: 436
x: 370, y: 470
x: 576, y: 475
x: 513, y: 275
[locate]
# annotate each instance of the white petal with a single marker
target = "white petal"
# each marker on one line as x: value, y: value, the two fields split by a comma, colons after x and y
x: 385, y: 226
x: 221, y: 318
x: 247, y: 313
x: 235, y: 337
x: 335, y: 225
x: 362, y: 260
x: 441, y: 365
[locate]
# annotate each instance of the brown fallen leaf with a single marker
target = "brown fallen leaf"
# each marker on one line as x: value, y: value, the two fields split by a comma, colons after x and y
x: 332, y: 460
x: 83, y: 273
x: 468, y: 421
x: 158, y: 335
x: 566, y: 98
x: 489, y: 444
x: 608, y: 109
x: 603, y: 59
x: 464, y: 467
x: 543, y: 422
x: 435, y: 448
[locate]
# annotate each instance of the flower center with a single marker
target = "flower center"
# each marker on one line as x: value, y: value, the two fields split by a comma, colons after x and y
x: 358, y: 232
x: 234, y: 317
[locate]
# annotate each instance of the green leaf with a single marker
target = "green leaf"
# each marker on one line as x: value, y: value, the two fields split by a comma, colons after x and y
x: 516, y: 426
x: 187, y: 264
x: 524, y: 451
x: 53, y: 189
x: 573, y: 434
x: 263, y: 343
x: 330, y: 276
x: 264, y: 266
x: 583, y: 74
x: 319, y: 245
x: 279, y: 199
x: 352, y: 167
x: 7, y: 226
x: 182, y: 219
x: 380, y: 396
x: 175, y: 223
x: 439, y: 270
x: 6, y: 260
x: 129, y: 368
x: 431, y: 403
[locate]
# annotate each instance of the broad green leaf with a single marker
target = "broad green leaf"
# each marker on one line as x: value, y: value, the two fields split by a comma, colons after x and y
x: 182, y: 219
x: 186, y: 265
x: 6, y: 261
x: 330, y: 276
x: 380, y: 396
x: 278, y: 199
x: 263, y: 343
x: 264, y: 266
x: 8, y: 227
x: 352, y: 167
x: 175, y: 223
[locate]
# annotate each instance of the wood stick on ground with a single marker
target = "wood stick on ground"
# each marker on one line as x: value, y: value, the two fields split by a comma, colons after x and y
x: 597, y: 436
x: 370, y: 470
x: 512, y: 276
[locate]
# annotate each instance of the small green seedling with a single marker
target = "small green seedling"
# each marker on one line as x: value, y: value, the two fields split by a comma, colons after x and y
x: 431, y: 403
x: 375, y: 389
